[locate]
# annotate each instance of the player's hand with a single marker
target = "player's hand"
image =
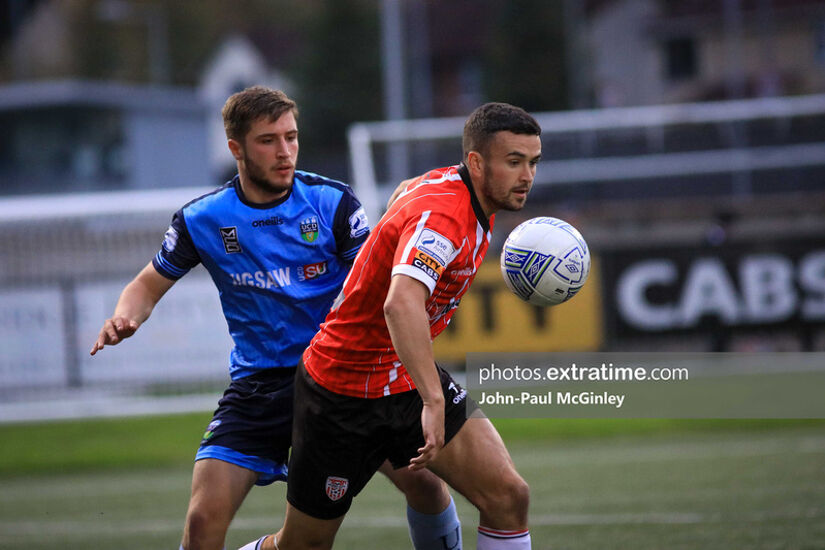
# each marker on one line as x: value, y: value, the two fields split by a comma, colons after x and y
x: 114, y: 330
x: 432, y: 425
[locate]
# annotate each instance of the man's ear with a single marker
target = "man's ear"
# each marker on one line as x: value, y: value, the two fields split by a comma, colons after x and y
x: 236, y: 149
x: 475, y: 163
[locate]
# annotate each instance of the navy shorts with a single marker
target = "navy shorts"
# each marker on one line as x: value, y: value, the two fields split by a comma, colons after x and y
x: 339, y: 441
x: 252, y: 426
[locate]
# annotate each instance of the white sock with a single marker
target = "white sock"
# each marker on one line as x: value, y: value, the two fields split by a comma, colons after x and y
x: 254, y: 545
x: 497, y: 539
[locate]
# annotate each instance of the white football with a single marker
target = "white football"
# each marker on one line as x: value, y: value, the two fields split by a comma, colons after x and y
x: 545, y: 261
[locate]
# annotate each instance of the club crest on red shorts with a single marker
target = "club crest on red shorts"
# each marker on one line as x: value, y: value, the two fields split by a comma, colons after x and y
x: 336, y: 487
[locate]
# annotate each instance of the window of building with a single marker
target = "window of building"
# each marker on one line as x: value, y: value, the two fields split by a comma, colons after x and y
x: 819, y: 41
x: 680, y: 59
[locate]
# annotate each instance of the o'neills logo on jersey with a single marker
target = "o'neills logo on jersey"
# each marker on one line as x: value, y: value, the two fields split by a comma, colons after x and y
x: 311, y: 271
x: 428, y: 264
x: 274, y: 220
x: 336, y: 487
x: 229, y: 236
x: 309, y: 229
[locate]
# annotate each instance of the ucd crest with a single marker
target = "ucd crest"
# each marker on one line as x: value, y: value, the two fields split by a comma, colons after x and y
x: 336, y: 487
x: 309, y: 229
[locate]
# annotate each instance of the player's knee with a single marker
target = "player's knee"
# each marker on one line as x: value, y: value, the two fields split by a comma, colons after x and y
x: 520, y: 497
x: 204, y: 528
x: 509, y: 501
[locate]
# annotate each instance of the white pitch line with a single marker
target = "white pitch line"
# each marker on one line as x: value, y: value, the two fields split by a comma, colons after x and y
x: 646, y: 452
x: 48, y: 529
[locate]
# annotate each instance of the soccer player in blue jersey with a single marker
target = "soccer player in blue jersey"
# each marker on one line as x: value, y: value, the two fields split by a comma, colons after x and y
x: 278, y: 243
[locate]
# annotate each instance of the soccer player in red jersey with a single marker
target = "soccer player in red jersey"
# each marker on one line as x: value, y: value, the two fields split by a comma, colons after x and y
x: 369, y: 389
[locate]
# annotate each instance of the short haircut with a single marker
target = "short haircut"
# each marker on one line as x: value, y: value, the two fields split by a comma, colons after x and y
x: 490, y: 118
x: 247, y: 106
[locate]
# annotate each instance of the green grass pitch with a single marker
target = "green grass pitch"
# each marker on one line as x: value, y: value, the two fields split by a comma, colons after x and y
x: 618, y: 484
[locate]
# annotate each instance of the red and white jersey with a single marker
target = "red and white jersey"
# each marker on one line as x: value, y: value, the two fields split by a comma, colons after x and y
x: 436, y: 233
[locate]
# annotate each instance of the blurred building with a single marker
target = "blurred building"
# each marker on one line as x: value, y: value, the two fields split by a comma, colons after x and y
x: 646, y: 52
x: 61, y: 136
x: 71, y: 134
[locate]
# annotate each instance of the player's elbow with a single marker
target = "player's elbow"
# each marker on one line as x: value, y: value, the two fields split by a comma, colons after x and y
x: 394, y: 307
x: 400, y: 307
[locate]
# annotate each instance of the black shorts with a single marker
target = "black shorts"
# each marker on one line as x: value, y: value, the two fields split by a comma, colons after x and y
x: 339, y: 442
x: 252, y: 426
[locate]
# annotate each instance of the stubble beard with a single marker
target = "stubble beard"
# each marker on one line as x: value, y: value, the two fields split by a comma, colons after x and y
x: 508, y: 202
x: 257, y: 177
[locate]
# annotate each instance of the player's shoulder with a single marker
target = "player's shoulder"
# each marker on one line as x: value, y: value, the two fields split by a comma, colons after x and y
x: 437, y: 181
x: 441, y: 189
x: 445, y: 175
x: 318, y: 182
x: 207, y: 199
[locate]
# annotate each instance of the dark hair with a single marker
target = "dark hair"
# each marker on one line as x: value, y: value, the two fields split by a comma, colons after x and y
x: 244, y: 108
x: 485, y: 121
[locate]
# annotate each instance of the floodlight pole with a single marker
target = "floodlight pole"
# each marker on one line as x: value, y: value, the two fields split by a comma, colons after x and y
x: 393, y: 68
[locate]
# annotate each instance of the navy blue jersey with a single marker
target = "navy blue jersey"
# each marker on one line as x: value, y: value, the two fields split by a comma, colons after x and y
x: 278, y: 266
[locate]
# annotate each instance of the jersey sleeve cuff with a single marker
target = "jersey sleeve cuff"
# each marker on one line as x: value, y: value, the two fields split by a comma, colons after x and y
x: 167, y: 269
x: 415, y: 273
x: 350, y: 254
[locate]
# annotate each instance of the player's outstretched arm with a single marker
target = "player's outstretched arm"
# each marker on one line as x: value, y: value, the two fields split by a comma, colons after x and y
x: 409, y: 327
x: 134, y: 306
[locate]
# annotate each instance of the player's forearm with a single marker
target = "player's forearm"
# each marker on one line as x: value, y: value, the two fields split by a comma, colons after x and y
x: 135, y: 303
x: 140, y: 296
x: 410, y: 332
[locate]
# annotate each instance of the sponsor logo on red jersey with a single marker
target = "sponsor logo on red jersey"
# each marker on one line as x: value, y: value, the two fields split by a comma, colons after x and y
x: 428, y: 264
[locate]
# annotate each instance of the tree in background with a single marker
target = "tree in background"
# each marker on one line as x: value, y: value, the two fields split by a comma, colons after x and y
x: 525, y: 55
x: 339, y: 75
x: 477, y: 50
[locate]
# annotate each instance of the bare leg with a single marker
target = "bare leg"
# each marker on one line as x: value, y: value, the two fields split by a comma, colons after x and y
x: 425, y: 492
x: 218, y: 489
x: 303, y: 532
x: 476, y: 464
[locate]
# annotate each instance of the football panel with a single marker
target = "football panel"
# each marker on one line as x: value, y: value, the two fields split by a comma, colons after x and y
x: 518, y: 284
